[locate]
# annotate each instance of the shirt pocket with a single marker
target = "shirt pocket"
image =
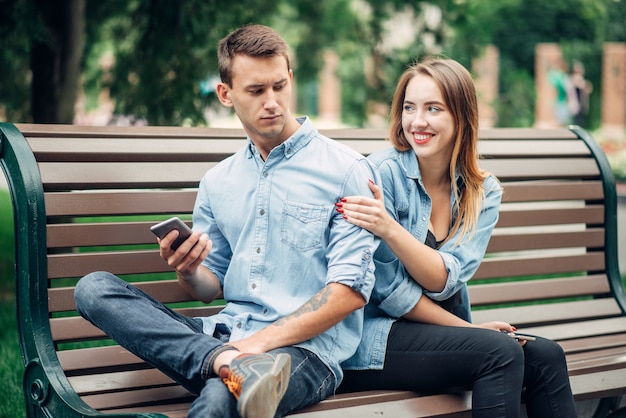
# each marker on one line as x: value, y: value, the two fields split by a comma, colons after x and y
x: 303, y: 225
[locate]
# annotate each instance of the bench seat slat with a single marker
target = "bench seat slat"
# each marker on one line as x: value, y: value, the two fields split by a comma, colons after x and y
x: 598, y: 385
x: 111, y: 357
x: 85, y: 149
x: 606, y: 359
x: 553, y: 313
x: 111, y: 401
x: 171, y: 410
x: 167, y: 291
x: 117, y: 262
x: 75, y: 328
x: 393, y: 403
x: 150, y: 132
x: 531, y: 148
x: 590, y: 214
x: 121, y: 203
x: 490, y: 134
x: 100, y: 234
x: 541, y: 168
x: 520, y: 291
x: 552, y: 190
x: 511, y: 241
x: 579, y: 329
x: 119, y: 381
x: 537, y: 264
x: 593, y: 343
x: 77, y: 176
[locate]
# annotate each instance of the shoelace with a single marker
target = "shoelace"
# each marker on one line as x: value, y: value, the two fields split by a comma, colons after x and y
x: 233, y: 382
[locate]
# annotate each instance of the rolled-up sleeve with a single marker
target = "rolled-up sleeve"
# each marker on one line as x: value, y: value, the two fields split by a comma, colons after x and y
x: 351, y: 248
x: 463, y: 260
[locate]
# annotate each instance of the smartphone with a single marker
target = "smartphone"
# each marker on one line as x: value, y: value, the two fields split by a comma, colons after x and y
x: 163, y: 228
x: 521, y: 336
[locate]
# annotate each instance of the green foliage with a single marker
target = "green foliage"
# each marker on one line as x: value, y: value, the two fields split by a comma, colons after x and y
x: 516, y: 26
x: 515, y: 106
x: 615, y: 28
x: 164, y: 50
x: 17, y: 27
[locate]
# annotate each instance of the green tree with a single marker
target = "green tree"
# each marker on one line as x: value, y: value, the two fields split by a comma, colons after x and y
x: 40, y: 62
x: 164, y: 49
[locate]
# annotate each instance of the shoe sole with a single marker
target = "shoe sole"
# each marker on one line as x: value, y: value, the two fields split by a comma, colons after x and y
x: 262, y: 399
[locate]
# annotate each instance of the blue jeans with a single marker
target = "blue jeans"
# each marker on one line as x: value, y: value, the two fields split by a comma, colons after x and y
x: 176, y: 345
x: 431, y: 358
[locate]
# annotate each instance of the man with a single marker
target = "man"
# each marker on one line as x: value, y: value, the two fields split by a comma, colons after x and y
x: 295, y: 275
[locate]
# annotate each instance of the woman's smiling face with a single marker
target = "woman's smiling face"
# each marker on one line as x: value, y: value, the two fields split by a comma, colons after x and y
x: 426, y: 121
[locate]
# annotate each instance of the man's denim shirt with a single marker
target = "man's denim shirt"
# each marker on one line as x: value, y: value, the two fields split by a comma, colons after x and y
x: 278, y: 240
x: 395, y: 292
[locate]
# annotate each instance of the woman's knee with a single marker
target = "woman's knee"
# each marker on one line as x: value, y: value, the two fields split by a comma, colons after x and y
x: 544, y: 353
x: 510, y: 352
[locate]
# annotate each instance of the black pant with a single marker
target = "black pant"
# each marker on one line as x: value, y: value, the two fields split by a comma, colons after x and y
x: 434, y: 359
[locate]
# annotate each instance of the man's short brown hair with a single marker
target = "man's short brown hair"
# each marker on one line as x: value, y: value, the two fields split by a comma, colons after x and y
x: 252, y: 40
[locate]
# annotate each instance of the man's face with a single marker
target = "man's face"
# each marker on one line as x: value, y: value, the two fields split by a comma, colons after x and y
x: 260, y: 94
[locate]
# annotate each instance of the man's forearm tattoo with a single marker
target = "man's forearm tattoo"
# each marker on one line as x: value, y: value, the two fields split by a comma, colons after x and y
x: 312, y: 305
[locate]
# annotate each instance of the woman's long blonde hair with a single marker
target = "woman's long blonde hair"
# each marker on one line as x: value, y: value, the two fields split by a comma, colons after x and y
x: 459, y: 94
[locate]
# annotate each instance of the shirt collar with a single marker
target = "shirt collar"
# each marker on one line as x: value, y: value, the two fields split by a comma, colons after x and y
x: 294, y: 143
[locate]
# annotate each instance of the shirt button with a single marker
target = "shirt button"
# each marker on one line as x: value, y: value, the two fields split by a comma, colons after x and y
x: 238, y: 325
x: 289, y: 151
x: 258, y: 250
x: 265, y: 174
x: 265, y: 311
x: 253, y: 285
x: 262, y: 212
x: 423, y: 218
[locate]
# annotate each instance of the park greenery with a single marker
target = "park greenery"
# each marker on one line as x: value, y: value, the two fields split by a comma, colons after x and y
x: 164, y: 51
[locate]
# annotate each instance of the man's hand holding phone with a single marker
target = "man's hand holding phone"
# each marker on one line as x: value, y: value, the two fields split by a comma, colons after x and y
x: 163, y: 229
x: 185, y: 251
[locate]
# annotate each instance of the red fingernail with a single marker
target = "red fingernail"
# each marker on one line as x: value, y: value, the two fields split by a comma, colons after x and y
x: 345, y: 217
x: 338, y: 204
x: 371, y: 181
x: 340, y: 210
x: 343, y: 199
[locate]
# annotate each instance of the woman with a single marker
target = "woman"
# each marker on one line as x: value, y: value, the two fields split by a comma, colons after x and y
x: 435, y: 219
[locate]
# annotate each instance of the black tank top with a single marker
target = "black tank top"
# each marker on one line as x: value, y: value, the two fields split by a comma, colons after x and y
x: 431, y: 241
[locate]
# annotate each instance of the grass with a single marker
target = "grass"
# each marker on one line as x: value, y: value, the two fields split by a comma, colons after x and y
x: 11, y: 368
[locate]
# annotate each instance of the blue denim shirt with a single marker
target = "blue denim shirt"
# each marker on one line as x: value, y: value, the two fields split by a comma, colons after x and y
x: 278, y: 240
x: 395, y: 292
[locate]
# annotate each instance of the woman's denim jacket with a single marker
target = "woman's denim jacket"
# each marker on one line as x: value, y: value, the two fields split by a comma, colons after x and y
x: 395, y: 292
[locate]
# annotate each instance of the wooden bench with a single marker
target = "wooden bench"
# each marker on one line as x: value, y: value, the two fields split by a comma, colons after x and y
x: 84, y: 198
